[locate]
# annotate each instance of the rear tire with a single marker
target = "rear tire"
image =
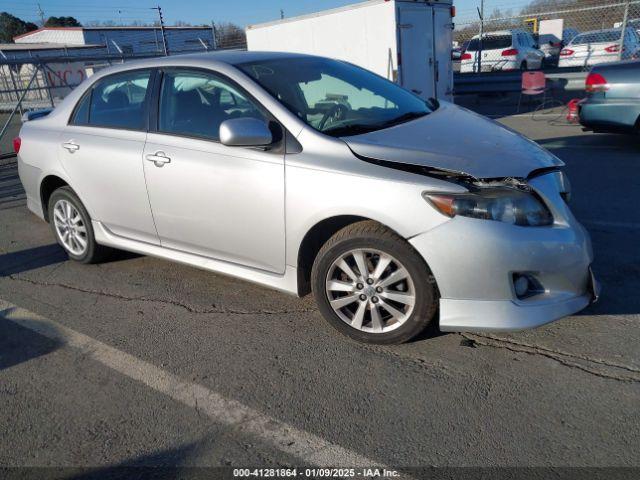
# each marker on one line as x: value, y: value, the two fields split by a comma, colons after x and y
x: 391, y: 302
x: 71, y: 225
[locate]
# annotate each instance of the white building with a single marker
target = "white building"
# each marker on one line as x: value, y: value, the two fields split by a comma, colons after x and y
x: 128, y: 41
x: 67, y: 55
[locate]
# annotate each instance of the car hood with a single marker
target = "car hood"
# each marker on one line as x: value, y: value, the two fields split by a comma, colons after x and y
x: 456, y: 140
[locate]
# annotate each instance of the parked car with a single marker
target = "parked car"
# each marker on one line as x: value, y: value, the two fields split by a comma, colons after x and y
x: 304, y: 173
x: 551, y: 46
x: 633, y: 23
x: 502, y: 50
x: 613, y: 98
x: 600, y: 46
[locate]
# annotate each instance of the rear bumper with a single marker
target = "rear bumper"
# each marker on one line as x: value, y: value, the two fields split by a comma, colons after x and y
x: 610, y: 115
x: 489, y: 65
x: 30, y: 177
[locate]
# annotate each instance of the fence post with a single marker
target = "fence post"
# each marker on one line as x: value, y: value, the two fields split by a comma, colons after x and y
x: 624, y: 28
x: 165, y: 45
x: 214, y: 35
x: 15, y: 85
x: 479, y: 54
x: 47, y: 83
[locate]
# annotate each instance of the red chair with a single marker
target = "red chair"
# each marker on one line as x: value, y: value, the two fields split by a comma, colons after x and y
x: 533, y: 83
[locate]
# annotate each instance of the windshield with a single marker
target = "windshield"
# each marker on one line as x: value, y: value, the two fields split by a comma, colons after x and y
x: 334, y: 97
x: 490, y: 42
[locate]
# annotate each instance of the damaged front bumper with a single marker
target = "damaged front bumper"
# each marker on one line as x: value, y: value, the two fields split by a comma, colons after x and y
x: 475, y: 264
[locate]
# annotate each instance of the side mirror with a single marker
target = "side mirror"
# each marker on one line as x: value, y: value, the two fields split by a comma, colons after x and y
x: 433, y: 103
x: 245, y: 132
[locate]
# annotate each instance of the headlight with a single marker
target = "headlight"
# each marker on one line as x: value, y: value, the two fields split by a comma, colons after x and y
x: 507, y: 205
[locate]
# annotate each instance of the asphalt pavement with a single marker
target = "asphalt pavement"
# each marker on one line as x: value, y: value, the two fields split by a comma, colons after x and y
x: 143, y: 362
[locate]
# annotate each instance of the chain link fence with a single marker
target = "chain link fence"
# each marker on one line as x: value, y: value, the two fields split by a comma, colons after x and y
x: 546, y: 34
x: 32, y: 78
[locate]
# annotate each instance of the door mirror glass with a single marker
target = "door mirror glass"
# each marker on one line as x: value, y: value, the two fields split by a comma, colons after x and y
x: 245, y: 132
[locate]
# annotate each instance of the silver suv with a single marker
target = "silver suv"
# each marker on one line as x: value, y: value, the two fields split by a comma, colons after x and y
x: 308, y: 174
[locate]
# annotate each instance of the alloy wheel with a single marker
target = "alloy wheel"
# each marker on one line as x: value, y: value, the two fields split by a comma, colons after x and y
x: 370, y: 290
x: 70, y: 227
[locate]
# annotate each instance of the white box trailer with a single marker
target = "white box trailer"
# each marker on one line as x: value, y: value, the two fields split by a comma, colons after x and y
x: 406, y: 41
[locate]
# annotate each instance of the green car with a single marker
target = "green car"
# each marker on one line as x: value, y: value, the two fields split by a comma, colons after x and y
x: 613, y: 98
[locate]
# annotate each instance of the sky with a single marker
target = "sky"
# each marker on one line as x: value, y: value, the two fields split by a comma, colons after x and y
x: 241, y: 12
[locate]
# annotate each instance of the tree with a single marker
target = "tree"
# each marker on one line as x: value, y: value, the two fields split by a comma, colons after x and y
x: 230, y: 35
x: 11, y: 26
x: 62, y: 22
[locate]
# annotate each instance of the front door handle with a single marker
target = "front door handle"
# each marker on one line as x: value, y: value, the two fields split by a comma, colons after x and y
x: 72, y: 147
x: 158, y: 158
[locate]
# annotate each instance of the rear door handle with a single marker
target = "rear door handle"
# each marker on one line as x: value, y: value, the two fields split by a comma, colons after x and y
x: 72, y: 147
x: 158, y: 158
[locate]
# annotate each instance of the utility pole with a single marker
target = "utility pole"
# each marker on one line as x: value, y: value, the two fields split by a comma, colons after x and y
x: 479, y: 53
x: 162, y: 31
x: 624, y: 28
x: 41, y: 15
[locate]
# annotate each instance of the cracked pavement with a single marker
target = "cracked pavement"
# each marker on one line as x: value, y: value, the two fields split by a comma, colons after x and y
x: 566, y: 394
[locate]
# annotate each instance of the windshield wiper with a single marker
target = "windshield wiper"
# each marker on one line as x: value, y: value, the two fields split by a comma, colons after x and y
x: 360, y: 128
x: 405, y: 117
x: 353, y: 129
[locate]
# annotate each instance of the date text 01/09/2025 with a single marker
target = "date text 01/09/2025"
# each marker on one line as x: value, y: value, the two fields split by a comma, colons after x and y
x: 315, y: 472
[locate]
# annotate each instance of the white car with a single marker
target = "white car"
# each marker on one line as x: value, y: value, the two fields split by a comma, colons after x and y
x: 501, y: 50
x: 599, y: 46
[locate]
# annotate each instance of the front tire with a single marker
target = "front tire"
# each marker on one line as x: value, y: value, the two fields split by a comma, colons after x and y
x: 71, y: 225
x: 371, y: 285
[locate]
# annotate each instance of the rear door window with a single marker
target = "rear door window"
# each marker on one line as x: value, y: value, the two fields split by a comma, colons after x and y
x: 118, y: 101
x: 490, y: 42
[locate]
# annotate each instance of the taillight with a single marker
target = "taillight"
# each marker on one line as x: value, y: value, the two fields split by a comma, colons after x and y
x: 556, y: 44
x: 566, y: 52
x: 465, y: 56
x: 596, y: 83
x: 612, y: 48
x: 16, y: 144
x: 453, y: 11
x: 510, y: 52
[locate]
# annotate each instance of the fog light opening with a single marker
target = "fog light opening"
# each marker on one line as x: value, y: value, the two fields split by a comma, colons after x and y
x: 526, y: 285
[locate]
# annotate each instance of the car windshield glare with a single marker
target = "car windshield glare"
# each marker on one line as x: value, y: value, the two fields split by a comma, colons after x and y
x: 334, y: 97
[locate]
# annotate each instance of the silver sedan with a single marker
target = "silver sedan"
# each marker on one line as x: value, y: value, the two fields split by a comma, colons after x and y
x: 313, y: 175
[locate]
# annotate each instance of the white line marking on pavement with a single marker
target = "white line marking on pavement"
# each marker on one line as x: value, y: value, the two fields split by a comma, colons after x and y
x: 309, y: 448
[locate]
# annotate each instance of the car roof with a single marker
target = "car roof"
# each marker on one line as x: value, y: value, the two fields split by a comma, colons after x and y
x: 211, y: 59
x: 500, y: 32
x: 234, y: 57
x: 601, y: 31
